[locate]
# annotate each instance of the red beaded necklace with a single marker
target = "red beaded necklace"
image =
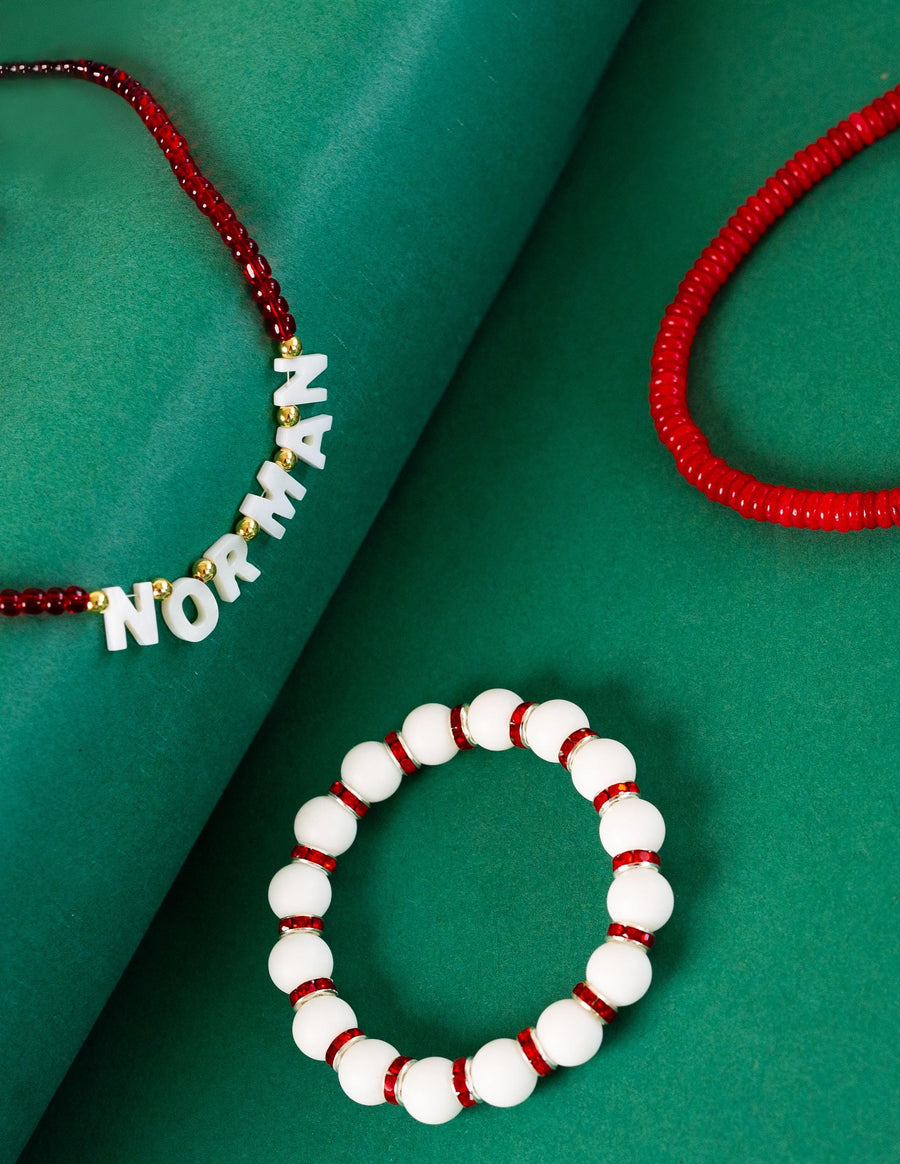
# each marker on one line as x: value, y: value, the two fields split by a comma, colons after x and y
x: 798, y: 508
x: 226, y: 560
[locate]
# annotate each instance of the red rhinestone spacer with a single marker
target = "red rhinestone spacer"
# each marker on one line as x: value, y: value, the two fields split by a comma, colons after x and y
x: 313, y: 986
x: 460, y: 1084
x: 352, y: 801
x: 516, y: 721
x: 584, y: 994
x: 634, y: 857
x: 400, y: 754
x: 390, y: 1079
x: 532, y: 1054
x: 314, y: 857
x: 570, y: 743
x: 460, y: 738
x: 614, y: 792
x: 300, y: 922
x: 630, y: 934
x: 341, y: 1041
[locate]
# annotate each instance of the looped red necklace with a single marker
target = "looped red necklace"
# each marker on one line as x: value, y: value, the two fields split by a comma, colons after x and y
x: 798, y: 508
x: 297, y: 438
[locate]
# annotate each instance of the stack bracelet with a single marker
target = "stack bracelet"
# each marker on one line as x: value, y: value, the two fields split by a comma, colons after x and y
x: 781, y: 504
x: 568, y: 1032
x: 297, y: 438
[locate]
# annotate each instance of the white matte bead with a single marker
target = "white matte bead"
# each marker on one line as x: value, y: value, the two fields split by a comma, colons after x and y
x: 299, y: 889
x: 631, y: 823
x: 206, y: 610
x: 599, y: 763
x: 569, y: 1033
x: 362, y: 1069
x: 371, y: 771
x: 139, y: 617
x: 427, y: 1092
x: 549, y: 724
x: 619, y: 972
x: 299, y: 957
x: 278, y: 487
x: 318, y: 1023
x: 500, y: 1074
x: 427, y: 733
x: 305, y: 439
x: 229, y: 556
x: 640, y: 897
x: 301, y: 371
x: 488, y: 718
x: 324, y: 825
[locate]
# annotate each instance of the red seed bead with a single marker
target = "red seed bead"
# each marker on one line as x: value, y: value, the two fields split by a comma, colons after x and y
x: 10, y: 603
x: 339, y: 1042
x: 597, y: 1004
x: 345, y: 796
x: 391, y: 1077
x: 76, y: 600
x: 313, y: 986
x: 34, y: 601
x: 461, y: 1083
x: 56, y: 600
x: 314, y: 857
x: 630, y: 934
x: 400, y: 754
x: 532, y: 1054
x: 457, y: 729
x: 300, y: 922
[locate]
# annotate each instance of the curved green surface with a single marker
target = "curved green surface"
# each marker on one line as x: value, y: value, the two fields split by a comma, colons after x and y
x: 540, y: 538
x: 390, y: 158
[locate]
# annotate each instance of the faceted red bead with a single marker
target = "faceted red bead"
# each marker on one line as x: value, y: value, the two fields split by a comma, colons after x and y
x: 345, y: 796
x: 515, y: 723
x: 10, y: 603
x: 314, y: 857
x: 34, y: 601
x: 635, y: 857
x: 614, y: 791
x: 532, y: 1054
x: 313, y: 986
x: 390, y: 1079
x: 400, y: 754
x: 341, y: 1041
x: 300, y: 922
x: 571, y: 742
x: 460, y: 738
x: 598, y: 1005
x: 460, y: 1085
x: 630, y: 934
x: 76, y: 600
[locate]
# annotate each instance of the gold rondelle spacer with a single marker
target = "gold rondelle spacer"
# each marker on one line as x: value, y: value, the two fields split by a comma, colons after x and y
x: 290, y: 348
x: 203, y: 570
x: 247, y: 528
x: 286, y: 459
x: 162, y: 588
x: 288, y: 416
x: 98, y: 601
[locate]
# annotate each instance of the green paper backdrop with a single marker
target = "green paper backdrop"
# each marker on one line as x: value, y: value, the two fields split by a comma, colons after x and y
x: 390, y: 159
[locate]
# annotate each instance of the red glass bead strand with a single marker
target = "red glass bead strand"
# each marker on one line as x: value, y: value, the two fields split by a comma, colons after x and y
x: 780, y: 504
x: 33, y: 600
x: 265, y: 291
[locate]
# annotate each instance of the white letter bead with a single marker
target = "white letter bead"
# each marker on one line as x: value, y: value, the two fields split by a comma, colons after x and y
x: 488, y: 718
x: 631, y: 823
x: 549, y: 724
x: 500, y: 1074
x: 640, y: 897
x: 278, y: 486
x: 371, y: 771
x: 324, y: 825
x: 427, y: 1091
x: 305, y: 439
x: 599, y: 763
x: 427, y: 733
x: 319, y: 1021
x: 229, y: 556
x: 299, y: 889
x: 207, y: 610
x: 297, y: 957
x: 362, y: 1069
x: 619, y: 972
x: 569, y: 1032
x: 139, y: 617
x: 301, y: 370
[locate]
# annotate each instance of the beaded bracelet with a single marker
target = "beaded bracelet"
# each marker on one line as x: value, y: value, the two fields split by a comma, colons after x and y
x: 798, y: 508
x: 297, y: 438
x: 568, y: 1032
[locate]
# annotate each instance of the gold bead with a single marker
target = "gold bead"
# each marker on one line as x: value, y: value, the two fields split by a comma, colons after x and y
x: 286, y: 459
x: 247, y: 528
x: 98, y: 601
x: 290, y: 348
x: 203, y: 570
x: 162, y: 588
x: 288, y: 416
